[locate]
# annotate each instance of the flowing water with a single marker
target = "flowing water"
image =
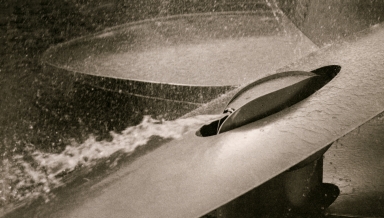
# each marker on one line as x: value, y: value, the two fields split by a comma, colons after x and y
x: 30, y: 171
x: 27, y: 179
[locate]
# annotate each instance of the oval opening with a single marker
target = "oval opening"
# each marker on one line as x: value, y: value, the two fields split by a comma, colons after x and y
x: 270, y: 103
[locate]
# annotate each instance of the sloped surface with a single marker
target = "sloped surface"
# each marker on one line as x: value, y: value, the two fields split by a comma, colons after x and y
x: 191, y: 176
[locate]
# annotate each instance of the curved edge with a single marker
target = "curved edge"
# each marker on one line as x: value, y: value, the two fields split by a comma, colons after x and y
x: 51, y: 49
x: 267, y: 78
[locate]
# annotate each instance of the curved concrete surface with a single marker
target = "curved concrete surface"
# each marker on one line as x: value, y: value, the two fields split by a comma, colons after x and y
x: 188, y: 52
x: 191, y: 176
x: 355, y: 164
x: 274, y: 93
x: 326, y: 21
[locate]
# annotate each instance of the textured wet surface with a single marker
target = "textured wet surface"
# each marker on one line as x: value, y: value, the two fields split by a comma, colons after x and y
x: 355, y: 164
x: 28, y: 29
x: 199, y: 50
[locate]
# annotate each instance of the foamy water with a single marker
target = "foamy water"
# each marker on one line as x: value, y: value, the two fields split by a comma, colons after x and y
x: 28, y: 179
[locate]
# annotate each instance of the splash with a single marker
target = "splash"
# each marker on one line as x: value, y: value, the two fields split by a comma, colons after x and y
x: 21, y: 179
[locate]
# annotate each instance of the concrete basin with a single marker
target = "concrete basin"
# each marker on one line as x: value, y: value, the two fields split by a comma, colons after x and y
x: 188, y: 58
x: 110, y: 60
x: 174, y: 180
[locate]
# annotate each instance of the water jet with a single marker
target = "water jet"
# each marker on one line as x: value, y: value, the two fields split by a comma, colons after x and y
x: 345, y: 103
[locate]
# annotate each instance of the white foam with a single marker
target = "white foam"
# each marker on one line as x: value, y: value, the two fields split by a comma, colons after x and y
x: 30, y: 179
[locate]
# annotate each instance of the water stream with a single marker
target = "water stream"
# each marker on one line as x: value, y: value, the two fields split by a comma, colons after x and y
x: 34, y: 175
x: 35, y: 172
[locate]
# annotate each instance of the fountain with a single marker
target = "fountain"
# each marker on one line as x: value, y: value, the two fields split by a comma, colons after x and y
x: 193, y: 175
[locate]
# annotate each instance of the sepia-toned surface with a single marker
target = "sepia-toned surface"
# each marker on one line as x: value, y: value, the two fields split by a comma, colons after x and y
x: 29, y: 28
x: 175, y: 187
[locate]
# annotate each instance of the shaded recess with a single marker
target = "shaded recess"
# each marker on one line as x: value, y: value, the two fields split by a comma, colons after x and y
x: 268, y: 96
